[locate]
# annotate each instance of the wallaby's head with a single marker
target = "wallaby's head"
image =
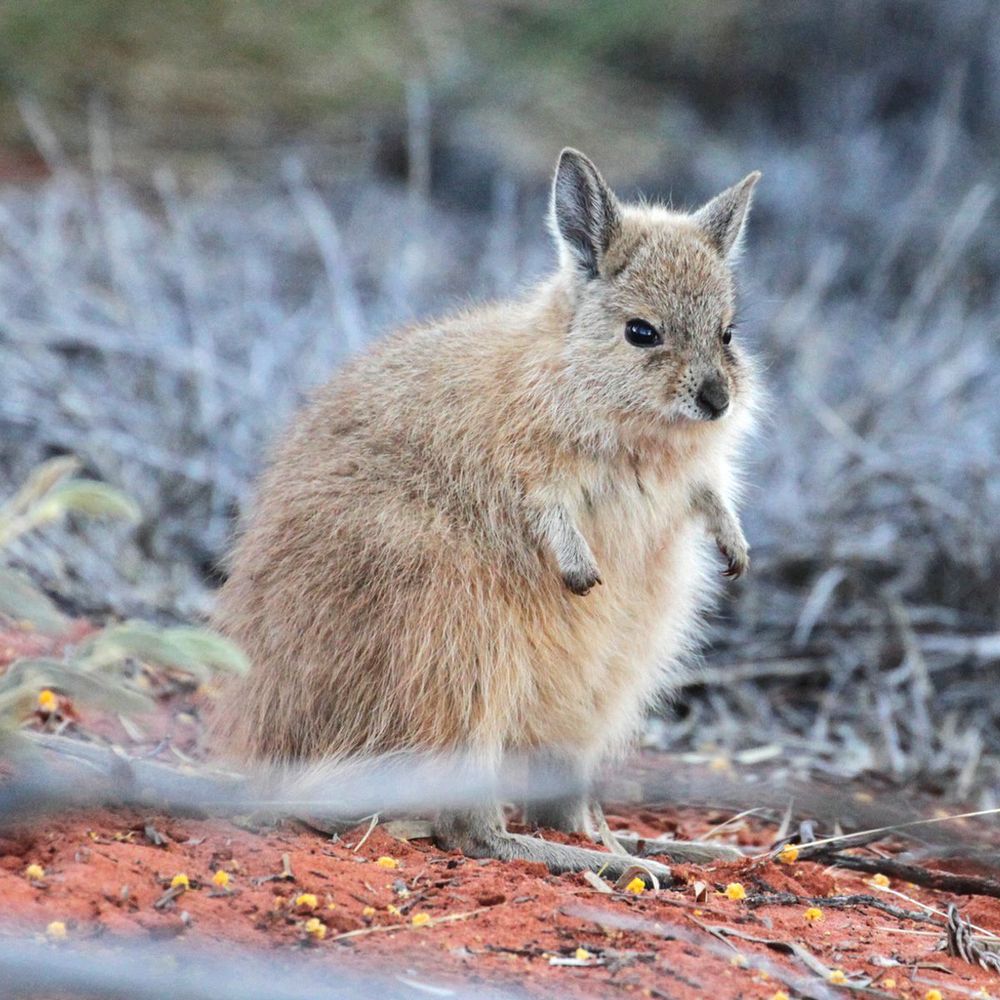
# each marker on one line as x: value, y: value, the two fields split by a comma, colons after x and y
x: 652, y: 333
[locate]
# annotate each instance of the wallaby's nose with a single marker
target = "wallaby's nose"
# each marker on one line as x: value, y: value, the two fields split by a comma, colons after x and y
x: 713, y: 397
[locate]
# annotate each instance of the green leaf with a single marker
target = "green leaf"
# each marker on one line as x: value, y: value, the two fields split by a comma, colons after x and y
x: 142, y: 642
x: 39, y: 482
x: 85, y: 496
x: 209, y: 648
x: 22, y: 601
x: 25, y: 678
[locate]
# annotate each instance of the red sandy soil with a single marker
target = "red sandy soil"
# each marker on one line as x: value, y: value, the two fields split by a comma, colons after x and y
x: 107, y: 873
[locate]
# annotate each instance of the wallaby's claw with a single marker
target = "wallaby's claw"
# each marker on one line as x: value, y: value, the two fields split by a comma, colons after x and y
x: 581, y: 583
x: 737, y: 563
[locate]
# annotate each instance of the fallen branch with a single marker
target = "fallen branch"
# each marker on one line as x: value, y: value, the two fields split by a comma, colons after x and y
x: 965, y: 885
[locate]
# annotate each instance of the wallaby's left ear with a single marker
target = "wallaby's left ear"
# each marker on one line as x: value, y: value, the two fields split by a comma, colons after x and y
x: 585, y: 215
x: 721, y: 220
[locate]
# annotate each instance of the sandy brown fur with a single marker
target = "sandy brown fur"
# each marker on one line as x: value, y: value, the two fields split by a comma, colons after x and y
x: 395, y: 584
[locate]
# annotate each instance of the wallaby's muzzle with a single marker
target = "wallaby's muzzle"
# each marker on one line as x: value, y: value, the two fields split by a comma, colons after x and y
x: 713, y: 397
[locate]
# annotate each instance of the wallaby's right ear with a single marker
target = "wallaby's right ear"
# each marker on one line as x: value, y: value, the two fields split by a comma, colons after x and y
x: 585, y: 215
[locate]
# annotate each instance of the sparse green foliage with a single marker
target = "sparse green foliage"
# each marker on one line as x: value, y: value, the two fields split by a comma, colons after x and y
x: 22, y: 601
x: 189, y: 650
x: 50, y: 493
x: 91, y: 670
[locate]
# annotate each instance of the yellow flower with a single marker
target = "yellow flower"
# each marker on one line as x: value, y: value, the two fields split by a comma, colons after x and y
x: 56, y: 930
x: 813, y: 913
x: 880, y: 880
x: 788, y: 854
x: 221, y: 879
x: 420, y: 919
x: 637, y: 887
x: 386, y: 862
x: 180, y: 881
x: 306, y: 899
x: 34, y: 872
x: 368, y: 911
x: 740, y: 961
x: 837, y: 977
x: 889, y: 984
x: 581, y: 954
x: 47, y: 701
x: 932, y: 995
x: 735, y: 891
x: 393, y: 911
x: 779, y: 995
x: 315, y: 928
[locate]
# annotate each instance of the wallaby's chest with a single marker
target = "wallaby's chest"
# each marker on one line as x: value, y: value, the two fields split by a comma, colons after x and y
x: 628, y: 514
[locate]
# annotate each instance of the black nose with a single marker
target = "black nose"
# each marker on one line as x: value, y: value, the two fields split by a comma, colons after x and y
x: 713, y: 398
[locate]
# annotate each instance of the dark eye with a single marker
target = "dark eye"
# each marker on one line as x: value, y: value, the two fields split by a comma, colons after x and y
x: 639, y: 333
x: 727, y: 334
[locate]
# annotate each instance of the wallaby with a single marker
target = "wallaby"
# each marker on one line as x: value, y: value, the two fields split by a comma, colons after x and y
x: 486, y: 533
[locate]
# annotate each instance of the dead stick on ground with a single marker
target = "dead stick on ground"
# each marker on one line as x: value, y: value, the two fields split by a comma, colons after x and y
x: 388, y: 928
x: 806, y: 957
x: 968, y: 885
x: 838, y: 903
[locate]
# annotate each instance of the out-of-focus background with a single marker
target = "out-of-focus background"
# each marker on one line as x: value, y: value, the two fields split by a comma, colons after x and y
x: 205, y: 207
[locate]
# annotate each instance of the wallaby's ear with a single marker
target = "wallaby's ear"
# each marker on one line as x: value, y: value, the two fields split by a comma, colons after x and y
x: 585, y: 215
x: 721, y: 220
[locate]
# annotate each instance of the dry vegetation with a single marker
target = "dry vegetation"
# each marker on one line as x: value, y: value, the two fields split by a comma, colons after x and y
x: 160, y: 317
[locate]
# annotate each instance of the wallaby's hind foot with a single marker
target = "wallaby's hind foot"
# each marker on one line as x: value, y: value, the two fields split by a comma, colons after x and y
x: 569, y: 815
x: 696, y: 851
x: 482, y: 834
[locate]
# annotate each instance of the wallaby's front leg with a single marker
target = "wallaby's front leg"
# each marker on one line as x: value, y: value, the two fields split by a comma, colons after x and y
x: 553, y: 525
x: 724, y: 527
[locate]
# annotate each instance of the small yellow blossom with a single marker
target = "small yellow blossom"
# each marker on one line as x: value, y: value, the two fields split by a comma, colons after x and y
x: 889, y: 984
x: 779, y: 995
x: 306, y: 899
x: 637, y: 887
x: 34, y: 872
x: 180, y: 881
x: 932, y: 995
x: 581, y: 954
x: 699, y: 913
x: 735, y: 891
x: 392, y: 910
x: 47, y: 701
x: 789, y: 853
x: 740, y: 961
x: 221, y: 879
x: 56, y: 930
x: 387, y: 862
x: 368, y: 911
x: 880, y: 880
x: 837, y: 977
x: 315, y: 928
x: 813, y: 913
x: 420, y: 919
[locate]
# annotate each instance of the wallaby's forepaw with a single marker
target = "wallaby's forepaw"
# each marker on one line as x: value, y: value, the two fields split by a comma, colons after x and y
x: 737, y: 555
x: 581, y: 581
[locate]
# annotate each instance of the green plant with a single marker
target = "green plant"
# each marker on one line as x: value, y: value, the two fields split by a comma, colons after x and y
x: 91, y: 670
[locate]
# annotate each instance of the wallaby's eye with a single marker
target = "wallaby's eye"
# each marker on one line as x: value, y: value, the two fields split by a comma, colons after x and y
x: 639, y: 333
x: 727, y: 334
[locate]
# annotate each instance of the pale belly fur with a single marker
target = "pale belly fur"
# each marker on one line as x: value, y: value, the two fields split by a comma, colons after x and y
x: 624, y: 643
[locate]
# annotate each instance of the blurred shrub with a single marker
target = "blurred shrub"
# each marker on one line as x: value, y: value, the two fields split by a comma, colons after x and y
x: 91, y: 671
